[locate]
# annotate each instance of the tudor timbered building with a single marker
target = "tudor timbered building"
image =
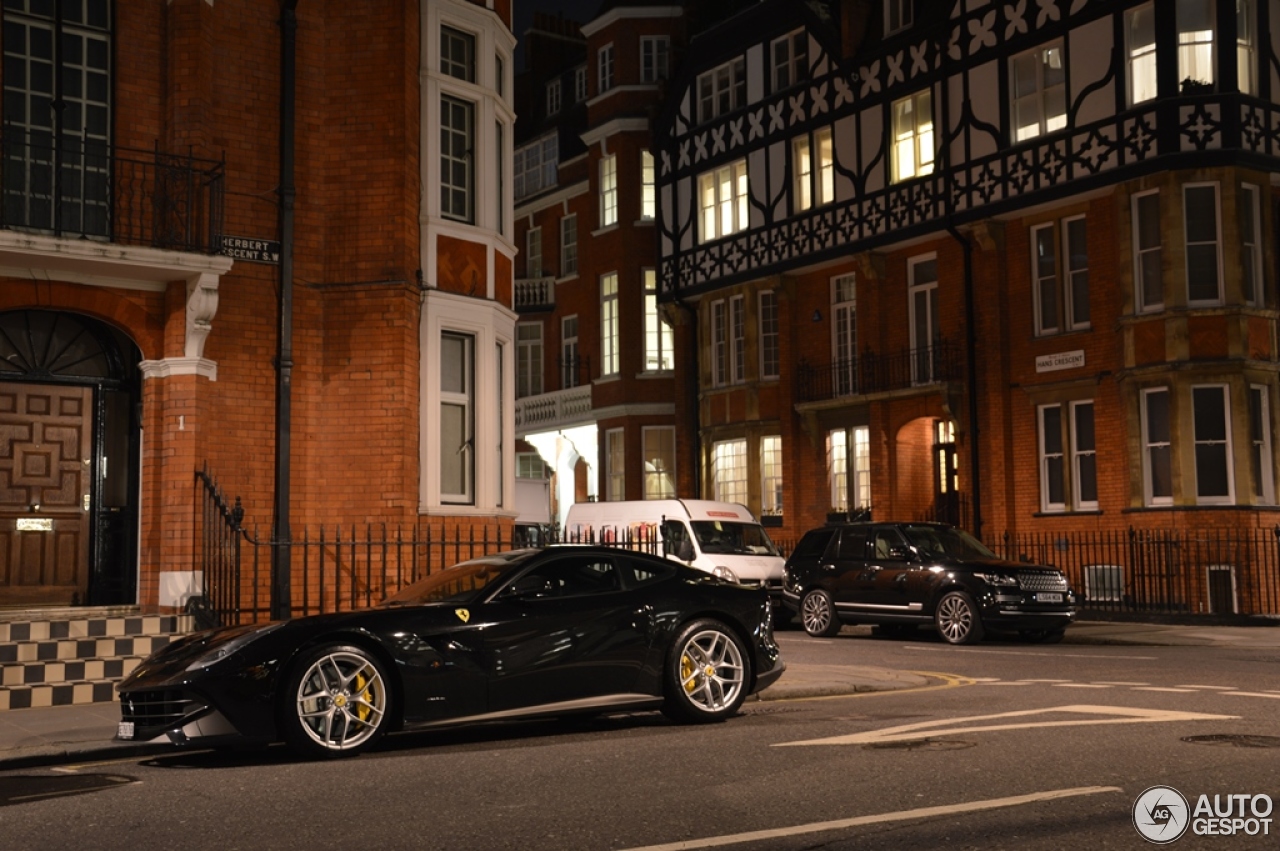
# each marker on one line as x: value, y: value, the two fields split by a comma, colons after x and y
x: 1010, y: 265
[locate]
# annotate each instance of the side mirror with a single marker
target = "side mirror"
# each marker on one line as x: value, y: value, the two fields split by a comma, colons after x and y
x: 684, y: 551
x: 899, y: 553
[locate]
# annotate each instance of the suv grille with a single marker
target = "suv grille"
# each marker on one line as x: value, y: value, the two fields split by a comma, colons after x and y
x: 1041, y: 580
x: 158, y: 709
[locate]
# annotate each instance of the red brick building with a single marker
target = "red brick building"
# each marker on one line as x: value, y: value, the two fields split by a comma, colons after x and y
x: 220, y: 218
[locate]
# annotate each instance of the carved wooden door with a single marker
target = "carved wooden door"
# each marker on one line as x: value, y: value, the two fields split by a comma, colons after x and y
x: 45, y: 466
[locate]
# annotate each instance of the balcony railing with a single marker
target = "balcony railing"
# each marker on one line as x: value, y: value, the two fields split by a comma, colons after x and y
x: 86, y: 188
x: 553, y: 410
x: 535, y: 294
x: 875, y: 373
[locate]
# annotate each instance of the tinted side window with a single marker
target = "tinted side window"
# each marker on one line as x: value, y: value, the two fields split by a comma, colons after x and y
x: 813, y: 544
x: 853, y: 544
x: 888, y: 545
x: 645, y: 572
x: 577, y: 575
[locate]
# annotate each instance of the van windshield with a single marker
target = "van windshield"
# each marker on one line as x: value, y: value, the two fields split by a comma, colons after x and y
x: 746, y: 539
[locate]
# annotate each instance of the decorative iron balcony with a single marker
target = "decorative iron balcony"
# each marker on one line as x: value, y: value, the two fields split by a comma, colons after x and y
x: 873, y: 373
x: 86, y: 188
x: 534, y: 294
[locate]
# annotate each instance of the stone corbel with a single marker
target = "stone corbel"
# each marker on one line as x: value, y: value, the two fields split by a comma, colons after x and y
x: 202, y: 304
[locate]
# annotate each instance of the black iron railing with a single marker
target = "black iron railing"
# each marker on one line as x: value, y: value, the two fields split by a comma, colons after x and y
x: 879, y: 373
x: 83, y: 187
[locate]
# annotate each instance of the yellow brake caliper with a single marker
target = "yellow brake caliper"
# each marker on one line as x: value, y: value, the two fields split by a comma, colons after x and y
x: 362, y: 710
x: 686, y: 673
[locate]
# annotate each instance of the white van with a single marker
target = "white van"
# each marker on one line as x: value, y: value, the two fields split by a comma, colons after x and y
x: 722, y: 538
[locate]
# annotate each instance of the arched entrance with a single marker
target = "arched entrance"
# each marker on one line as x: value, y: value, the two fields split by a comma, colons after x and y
x: 69, y: 460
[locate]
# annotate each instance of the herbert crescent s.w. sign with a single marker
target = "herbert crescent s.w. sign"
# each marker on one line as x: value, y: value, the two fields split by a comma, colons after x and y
x: 253, y: 250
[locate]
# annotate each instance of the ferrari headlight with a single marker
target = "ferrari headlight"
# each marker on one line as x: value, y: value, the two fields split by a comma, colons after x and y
x: 724, y: 573
x: 230, y: 645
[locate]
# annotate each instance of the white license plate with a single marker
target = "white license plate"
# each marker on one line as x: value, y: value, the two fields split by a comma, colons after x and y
x: 1049, y: 598
x: 124, y: 730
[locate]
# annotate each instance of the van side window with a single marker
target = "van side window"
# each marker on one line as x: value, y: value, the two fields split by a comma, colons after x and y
x: 674, y: 535
x: 853, y: 545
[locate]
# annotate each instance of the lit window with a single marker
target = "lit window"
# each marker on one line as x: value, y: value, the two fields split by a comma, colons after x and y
x: 1195, y: 44
x: 1246, y: 58
x: 814, y: 166
x: 615, y: 458
x: 659, y: 462
x: 849, y: 472
x: 723, y: 200
x: 1204, y: 257
x: 1140, y: 31
x: 648, y: 188
x: 609, y: 324
x: 654, y: 58
x: 838, y: 469
x: 1038, y: 79
x: 913, y: 136
x: 729, y: 470
x: 771, y: 475
x: 1148, y: 279
x: 457, y: 54
x: 658, y: 355
x: 608, y: 190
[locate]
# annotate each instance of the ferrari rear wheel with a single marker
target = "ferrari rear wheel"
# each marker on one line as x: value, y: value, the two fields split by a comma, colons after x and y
x: 707, y: 673
x: 335, y: 703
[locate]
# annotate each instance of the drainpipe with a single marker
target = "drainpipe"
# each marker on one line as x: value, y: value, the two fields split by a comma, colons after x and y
x: 281, y: 604
x: 971, y: 376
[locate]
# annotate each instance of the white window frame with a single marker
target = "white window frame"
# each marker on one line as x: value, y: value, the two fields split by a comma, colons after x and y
x: 911, y: 120
x: 580, y: 88
x: 451, y: 65
x: 737, y: 339
x: 789, y: 59
x: 1075, y: 297
x: 838, y: 469
x: 648, y: 187
x: 1140, y: 47
x: 1251, y: 244
x: 1083, y: 456
x: 1040, y: 107
x: 655, y: 58
x: 464, y: 398
x: 1147, y: 257
x: 923, y: 294
x: 722, y: 89
x: 1153, y: 444
x: 770, y: 336
x: 458, y: 202
x: 729, y: 470
x: 1053, y: 459
x: 719, y: 316
x: 659, y: 447
x: 609, y: 349
x: 553, y: 97
x: 529, y: 348
x: 659, y: 355
x: 1246, y: 48
x: 608, y: 190
x: 723, y: 201
x: 1260, y: 458
x: 1197, y: 60
x: 604, y: 68
x: 771, y: 478
x: 844, y: 333
x: 533, y: 253
x: 813, y: 167
x: 536, y: 165
x: 897, y: 15
x: 615, y: 464
x: 568, y: 245
x: 1202, y: 243
x: 1060, y: 288
x: 1216, y: 444
x: 1044, y: 278
x: 569, y: 356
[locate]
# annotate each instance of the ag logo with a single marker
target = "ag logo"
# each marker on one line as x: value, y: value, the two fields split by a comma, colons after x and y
x: 1161, y: 814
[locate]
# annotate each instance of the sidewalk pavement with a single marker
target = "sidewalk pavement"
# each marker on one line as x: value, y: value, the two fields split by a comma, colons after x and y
x: 60, y: 735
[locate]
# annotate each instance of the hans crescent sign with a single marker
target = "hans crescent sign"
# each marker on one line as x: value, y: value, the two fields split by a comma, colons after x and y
x: 253, y: 250
x: 1061, y: 360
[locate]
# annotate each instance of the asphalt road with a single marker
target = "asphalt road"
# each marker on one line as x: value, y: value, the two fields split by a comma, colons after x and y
x: 1010, y: 746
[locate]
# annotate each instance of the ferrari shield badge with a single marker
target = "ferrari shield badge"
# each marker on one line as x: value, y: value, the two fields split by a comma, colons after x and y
x: 463, y: 615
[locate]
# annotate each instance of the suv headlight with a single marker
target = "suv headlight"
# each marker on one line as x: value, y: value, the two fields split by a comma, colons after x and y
x: 1001, y: 580
x: 724, y: 573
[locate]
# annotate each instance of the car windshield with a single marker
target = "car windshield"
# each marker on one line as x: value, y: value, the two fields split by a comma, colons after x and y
x: 465, y: 582
x: 945, y: 542
x: 717, y: 536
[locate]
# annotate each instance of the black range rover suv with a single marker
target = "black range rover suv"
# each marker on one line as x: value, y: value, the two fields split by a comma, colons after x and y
x: 901, y: 575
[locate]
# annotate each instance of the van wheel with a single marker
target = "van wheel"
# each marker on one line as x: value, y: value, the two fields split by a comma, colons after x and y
x: 957, y: 619
x: 818, y: 614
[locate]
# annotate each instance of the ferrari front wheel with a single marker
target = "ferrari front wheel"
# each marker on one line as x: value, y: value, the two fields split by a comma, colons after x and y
x: 335, y: 703
x: 707, y: 673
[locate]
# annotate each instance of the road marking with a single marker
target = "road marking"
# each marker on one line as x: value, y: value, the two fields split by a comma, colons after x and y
x: 879, y: 818
x: 1274, y: 696
x: 1081, y: 685
x: 948, y: 681
x: 951, y: 650
x: 1212, y: 688
x: 1162, y: 688
x: 1019, y: 720
x: 1110, y: 683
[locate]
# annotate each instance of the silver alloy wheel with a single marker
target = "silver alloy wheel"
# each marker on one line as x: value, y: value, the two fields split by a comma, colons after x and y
x: 341, y: 700
x: 711, y: 671
x: 815, y: 613
x: 956, y: 618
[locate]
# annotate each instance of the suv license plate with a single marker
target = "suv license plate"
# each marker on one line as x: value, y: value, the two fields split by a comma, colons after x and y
x: 125, y: 730
x: 1049, y: 598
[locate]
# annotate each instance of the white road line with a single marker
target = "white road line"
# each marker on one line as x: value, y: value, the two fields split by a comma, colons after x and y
x: 1110, y: 683
x: 952, y: 650
x: 1018, y: 720
x: 1009, y: 683
x: 1045, y: 681
x: 1081, y: 685
x: 1212, y: 688
x: 1160, y: 688
x: 1273, y: 696
x: 879, y: 818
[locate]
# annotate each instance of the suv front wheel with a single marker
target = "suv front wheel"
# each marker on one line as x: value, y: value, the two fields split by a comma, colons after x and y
x: 957, y: 619
x: 818, y: 614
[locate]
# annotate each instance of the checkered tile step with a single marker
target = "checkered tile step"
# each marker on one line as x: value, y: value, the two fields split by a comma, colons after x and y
x: 73, y: 659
